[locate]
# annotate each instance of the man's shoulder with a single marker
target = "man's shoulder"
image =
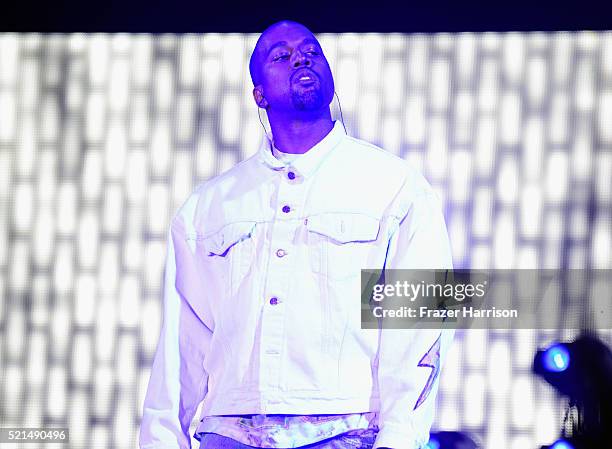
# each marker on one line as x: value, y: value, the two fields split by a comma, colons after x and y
x: 384, y: 163
x: 237, y: 171
x: 228, y: 178
x: 373, y: 151
x: 204, y: 193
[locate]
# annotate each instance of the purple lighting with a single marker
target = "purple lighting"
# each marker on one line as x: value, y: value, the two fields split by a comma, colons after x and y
x: 433, y: 443
x: 556, y: 358
x: 561, y: 444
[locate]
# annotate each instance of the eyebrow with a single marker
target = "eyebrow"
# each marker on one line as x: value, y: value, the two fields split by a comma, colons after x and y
x: 308, y: 40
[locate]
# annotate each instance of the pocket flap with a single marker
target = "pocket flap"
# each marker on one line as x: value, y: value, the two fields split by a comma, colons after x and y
x: 220, y: 242
x: 344, y: 228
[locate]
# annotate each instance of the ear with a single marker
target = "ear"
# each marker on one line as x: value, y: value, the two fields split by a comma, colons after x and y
x: 259, y: 97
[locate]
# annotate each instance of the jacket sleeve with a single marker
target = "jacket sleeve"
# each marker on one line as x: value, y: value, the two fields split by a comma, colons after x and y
x: 409, y: 360
x: 178, y: 381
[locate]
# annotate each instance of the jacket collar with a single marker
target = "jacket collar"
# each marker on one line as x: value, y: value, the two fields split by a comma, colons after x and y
x: 308, y: 162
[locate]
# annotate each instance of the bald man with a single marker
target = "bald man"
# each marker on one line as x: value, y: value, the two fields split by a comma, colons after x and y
x: 262, y: 283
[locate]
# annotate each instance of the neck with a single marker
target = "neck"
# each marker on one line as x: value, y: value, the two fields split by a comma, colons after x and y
x: 299, y: 134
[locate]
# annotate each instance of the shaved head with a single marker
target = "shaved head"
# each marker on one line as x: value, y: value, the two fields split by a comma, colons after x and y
x: 289, y: 71
x: 293, y: 83
x: 262, y: 45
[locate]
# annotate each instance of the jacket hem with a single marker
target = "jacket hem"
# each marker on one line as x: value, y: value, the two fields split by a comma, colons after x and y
x: 303, y: 403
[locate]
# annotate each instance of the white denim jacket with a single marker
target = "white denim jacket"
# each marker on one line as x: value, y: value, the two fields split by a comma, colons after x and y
x: 262, y: 295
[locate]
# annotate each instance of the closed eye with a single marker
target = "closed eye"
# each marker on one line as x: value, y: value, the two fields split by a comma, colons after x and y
x: 282, y: 57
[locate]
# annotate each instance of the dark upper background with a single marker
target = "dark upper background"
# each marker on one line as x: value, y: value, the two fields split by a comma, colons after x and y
x: 203, y: 16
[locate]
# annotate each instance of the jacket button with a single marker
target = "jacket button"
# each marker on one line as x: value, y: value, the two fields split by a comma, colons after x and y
x: 286, y: 209
x: 291, y: 175
x: 274, y: 301
x: 281, y: 253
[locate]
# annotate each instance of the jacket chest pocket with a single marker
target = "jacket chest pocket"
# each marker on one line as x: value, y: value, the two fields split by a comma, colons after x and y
x: 339, y: 244
x: 230, y: 253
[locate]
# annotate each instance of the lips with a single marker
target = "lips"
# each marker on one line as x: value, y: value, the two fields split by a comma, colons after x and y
x: 304, y: 76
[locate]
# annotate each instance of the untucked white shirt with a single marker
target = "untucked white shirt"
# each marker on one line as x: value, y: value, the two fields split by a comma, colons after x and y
x: 262, y: 302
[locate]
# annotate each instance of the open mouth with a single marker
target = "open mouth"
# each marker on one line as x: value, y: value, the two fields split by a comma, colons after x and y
x: 304, y: 77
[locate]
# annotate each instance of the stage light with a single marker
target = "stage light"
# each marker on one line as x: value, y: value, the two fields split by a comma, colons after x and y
x: 556, y: 358
x: 433, y: 443
x: 581, y: 370
x: 579, y: 442
x: 450, y: 440
x: 561, y: 444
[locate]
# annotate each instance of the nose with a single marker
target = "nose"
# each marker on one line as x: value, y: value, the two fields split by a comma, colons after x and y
x: 301, y: 60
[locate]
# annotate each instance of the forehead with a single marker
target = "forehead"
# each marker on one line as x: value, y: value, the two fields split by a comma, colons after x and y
x: 286, y: 34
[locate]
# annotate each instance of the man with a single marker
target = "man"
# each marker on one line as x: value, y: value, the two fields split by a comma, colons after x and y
x: 262, y: 283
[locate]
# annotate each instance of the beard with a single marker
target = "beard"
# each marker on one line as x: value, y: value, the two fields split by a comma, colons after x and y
x: 307, y: 99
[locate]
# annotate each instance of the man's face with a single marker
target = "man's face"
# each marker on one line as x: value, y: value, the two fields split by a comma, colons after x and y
x: 292, y: 71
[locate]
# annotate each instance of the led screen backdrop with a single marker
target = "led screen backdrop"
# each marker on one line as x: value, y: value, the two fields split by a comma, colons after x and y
x: 103, y: 136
